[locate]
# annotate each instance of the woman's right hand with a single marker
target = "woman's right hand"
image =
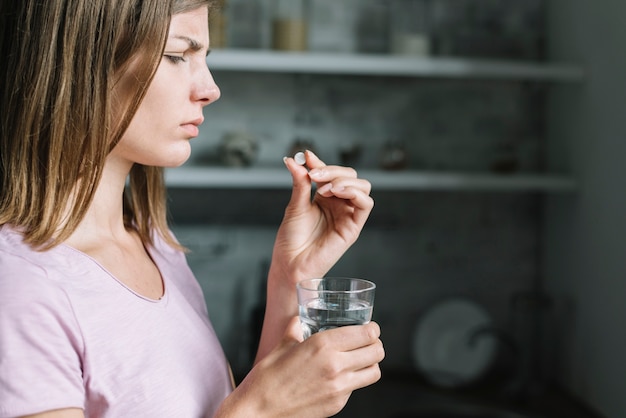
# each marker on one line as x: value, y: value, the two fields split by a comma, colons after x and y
x: 312, y: 378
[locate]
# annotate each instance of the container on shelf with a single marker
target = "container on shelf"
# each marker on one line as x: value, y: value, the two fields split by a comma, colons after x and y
x: 238, y: 149
x: 410, y: 32
x: 289, y: 25
x: 394, y: 156
x: 350, y: 154
x: 218, y: 24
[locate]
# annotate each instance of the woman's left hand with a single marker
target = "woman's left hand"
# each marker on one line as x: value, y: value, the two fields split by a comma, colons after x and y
x: 316, y: 231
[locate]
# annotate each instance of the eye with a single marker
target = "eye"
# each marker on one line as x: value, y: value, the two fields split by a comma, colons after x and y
x: 175, y: 59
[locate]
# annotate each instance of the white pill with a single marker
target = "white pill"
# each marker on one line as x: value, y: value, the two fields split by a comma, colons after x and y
x: 300, y: 158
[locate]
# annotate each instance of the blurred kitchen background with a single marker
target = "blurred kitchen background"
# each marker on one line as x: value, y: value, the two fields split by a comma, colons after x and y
x: 493, y: 134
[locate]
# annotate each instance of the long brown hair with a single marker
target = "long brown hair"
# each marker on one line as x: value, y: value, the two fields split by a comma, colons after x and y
x: 60, y: 61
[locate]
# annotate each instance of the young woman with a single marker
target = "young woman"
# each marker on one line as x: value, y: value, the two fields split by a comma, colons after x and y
x: 100, y: 315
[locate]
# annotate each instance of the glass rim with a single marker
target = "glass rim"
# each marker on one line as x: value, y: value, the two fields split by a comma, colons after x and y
x: 303, y: 284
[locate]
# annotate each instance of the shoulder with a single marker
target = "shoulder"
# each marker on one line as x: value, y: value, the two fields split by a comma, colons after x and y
x: 32, y: 291
x: 17, y: 259
x: 27, y: 274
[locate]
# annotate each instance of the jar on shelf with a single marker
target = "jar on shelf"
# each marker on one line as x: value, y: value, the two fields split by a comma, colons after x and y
x: 410, y: 32
x: 289, y: 25
x: 394, y: 156
x: 218, y: 25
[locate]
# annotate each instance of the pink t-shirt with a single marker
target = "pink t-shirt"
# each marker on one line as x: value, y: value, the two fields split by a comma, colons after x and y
x: 71, y: 335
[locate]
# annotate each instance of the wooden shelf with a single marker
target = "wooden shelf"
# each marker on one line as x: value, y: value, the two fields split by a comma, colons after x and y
x: 272, y: 178
x: 388, y: 65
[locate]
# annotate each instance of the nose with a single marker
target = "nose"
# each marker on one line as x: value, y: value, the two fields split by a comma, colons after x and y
x: 205, y: 90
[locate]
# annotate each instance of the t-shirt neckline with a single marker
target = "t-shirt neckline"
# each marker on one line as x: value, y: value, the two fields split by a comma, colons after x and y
x: 164, y: 297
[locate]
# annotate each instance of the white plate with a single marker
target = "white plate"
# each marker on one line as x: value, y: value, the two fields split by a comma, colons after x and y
x: 444, y: 350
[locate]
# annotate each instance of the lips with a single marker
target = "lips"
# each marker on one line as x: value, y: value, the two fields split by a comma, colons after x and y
x: 191, y: 127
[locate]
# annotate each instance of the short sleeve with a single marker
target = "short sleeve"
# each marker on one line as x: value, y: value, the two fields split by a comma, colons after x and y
x: 40, y: 342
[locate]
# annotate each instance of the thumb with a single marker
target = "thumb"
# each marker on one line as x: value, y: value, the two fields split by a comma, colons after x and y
x: 302, y: 186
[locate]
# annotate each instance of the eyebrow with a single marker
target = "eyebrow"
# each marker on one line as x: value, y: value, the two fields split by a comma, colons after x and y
x: 193, y: 44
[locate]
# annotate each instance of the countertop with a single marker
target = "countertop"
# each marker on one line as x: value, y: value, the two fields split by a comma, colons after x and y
x: 399, y: 395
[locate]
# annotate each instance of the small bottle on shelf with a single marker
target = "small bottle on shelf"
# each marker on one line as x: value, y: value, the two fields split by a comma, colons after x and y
x: 218, y: 24
x: 409, y: 28
x: 289, y: 25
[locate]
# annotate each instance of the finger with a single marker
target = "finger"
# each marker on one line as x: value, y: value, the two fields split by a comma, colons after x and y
x: 312, y: 160
x: 364, y: 357
x: 342, y: 183
x: 331, y: 172
x: 365, y: 377
x: 351, y: 337
x: 301, y: 183
x: 360, y: 202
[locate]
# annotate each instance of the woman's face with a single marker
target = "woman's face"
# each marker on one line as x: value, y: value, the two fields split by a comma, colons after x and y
x: 171, y: 111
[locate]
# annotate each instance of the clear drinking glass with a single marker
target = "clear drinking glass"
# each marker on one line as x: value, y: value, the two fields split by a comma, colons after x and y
x: 331, y: 302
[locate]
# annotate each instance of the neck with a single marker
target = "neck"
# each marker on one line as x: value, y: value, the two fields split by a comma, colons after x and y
x: 105, y: 216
